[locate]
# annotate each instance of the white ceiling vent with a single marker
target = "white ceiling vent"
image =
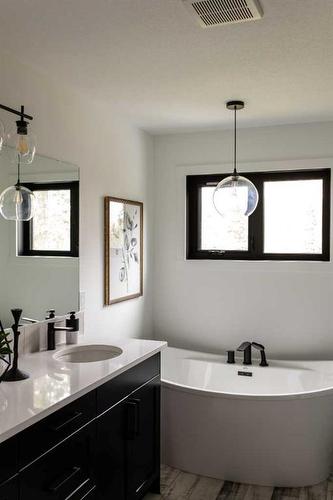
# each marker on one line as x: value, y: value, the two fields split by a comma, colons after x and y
x: 217, y: 12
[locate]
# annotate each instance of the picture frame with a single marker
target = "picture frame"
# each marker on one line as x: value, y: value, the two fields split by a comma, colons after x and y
x: 123, y: 249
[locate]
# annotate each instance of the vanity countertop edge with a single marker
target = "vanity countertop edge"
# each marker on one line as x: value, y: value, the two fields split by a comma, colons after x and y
x: 54, y: 384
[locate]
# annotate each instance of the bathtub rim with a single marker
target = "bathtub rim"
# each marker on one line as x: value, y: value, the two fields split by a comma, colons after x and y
x: 327, y: 391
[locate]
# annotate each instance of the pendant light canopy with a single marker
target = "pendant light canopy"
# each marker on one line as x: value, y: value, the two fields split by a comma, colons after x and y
x: 17, y: 202
x: 235, y: 193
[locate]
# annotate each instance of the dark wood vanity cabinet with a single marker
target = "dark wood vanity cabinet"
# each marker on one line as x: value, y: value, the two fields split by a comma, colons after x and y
x: 9, y: 489
x: 104, y: 445
x: 128, y: 445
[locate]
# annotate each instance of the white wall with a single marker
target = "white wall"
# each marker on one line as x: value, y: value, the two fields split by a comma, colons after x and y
x: 114, y: 159
x: 214, y: 305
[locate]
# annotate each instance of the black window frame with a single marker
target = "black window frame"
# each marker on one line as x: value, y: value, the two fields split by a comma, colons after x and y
x: 194, y: 183
x: 25, y: 229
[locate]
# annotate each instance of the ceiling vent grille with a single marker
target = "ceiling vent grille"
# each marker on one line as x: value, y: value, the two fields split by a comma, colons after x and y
x: 217, y: 12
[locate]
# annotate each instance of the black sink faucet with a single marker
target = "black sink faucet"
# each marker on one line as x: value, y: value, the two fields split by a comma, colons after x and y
x: 246, y: 348
x: 261, y: 348
x: 72, y: 325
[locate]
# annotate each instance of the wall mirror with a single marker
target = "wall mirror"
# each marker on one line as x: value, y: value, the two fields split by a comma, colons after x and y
x: 39, y: 264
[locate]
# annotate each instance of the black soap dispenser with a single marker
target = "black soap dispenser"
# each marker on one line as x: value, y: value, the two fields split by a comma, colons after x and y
x: 73, y: 323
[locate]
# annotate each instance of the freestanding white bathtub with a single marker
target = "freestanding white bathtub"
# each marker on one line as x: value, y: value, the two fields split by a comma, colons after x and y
x: 272, y: 428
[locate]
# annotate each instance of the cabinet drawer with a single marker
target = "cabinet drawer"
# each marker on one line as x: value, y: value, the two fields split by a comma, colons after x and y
x: 119, y: 387
x: 45, y: 434
x: 9, y: 490
x: 66, y: 471
x: 8, y: 459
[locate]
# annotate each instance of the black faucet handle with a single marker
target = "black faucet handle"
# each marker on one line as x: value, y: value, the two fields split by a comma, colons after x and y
x: 231, y: 357
x: 51, y: 314
x: 258, y: 346
x: 243, y: 346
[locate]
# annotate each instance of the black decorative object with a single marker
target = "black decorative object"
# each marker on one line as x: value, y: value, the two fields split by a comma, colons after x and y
x: 5, y: 350
x: 15, y: 373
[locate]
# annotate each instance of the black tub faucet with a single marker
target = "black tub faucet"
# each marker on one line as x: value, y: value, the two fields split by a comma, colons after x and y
x: 261, y: 348
x: 245, y: 347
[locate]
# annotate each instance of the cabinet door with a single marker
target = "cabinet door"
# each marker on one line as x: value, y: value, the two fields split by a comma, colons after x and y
x: 143, y: 440
x: 9, y: 490
x: 110, y: 463
x: 65, y: 471
x: 8, y: 459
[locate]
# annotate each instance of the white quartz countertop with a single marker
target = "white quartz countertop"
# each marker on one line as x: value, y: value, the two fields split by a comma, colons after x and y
x: 53, y: 383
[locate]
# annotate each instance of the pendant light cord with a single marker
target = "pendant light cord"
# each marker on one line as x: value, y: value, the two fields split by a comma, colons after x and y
x: 235, y: 141
x: 18, y: 171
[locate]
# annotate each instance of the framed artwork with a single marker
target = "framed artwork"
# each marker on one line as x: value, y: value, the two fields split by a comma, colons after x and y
x: 123, y: 249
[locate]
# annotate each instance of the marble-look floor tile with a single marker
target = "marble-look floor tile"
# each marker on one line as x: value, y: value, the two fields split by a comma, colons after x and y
x: 329, y: 489
x: 168, y: 476
x: 179, y: 485
x: 191, y: 487
x: 317, y: 492
x: 235, y: 491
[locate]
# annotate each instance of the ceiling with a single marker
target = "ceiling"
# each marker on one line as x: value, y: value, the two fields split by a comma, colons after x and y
x: 150, y: 58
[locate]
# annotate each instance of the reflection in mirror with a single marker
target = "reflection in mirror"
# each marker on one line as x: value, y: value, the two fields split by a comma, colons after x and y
x: 39, y: 265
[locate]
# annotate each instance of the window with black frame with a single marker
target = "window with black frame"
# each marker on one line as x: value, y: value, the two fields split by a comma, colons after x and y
x: 54, y: 229
x: 291, y: 221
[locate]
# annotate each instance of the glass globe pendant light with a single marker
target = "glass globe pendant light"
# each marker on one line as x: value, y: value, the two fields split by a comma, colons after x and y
x: 235, y: 193
x: 17, y: 202
x: 2, y: 135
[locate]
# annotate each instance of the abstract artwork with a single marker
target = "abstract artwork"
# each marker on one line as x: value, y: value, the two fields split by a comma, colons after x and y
x: 123, y: 245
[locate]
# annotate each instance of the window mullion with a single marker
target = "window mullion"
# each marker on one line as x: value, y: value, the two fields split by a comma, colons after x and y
x: 256, y: 222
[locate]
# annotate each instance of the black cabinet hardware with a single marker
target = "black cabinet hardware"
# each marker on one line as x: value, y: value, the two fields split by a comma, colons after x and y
x: 63, y: 479
x: 70, y: 420
x: 132, y: 418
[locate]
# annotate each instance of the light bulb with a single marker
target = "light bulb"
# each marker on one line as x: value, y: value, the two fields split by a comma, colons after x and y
x: 235, y: 194
x: 22, y: 146
x: 18, y: 198
x: 17, y: 203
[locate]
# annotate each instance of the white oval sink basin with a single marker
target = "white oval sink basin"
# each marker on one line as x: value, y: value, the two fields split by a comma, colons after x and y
x: 87, y: 353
